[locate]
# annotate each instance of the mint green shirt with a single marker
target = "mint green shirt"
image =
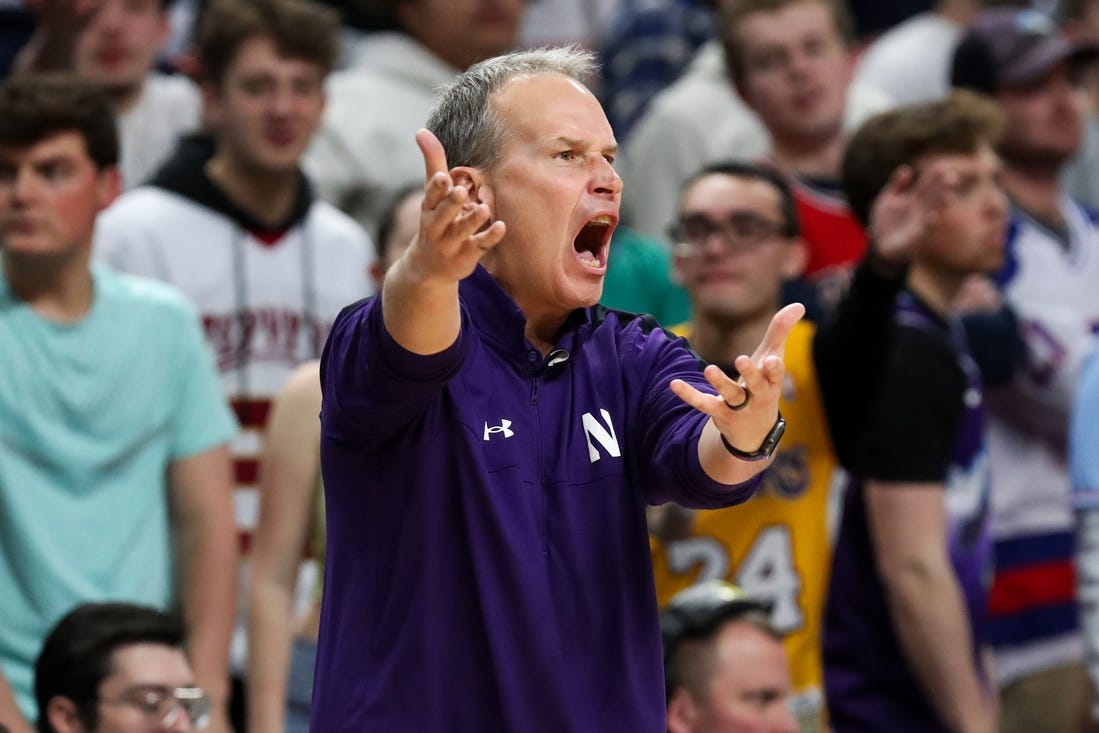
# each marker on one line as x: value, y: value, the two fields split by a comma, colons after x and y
x: 639, y: 279
x: 91, y: 416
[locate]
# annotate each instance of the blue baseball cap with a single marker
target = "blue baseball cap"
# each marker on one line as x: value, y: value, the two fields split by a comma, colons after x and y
x: 1013, y: 47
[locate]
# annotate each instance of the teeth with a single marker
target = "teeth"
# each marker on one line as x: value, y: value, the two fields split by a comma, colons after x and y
x: 603, y: 220
x: 590, y: 261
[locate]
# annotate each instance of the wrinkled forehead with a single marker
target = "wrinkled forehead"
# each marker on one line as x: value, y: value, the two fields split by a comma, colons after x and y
x: 551, y: 105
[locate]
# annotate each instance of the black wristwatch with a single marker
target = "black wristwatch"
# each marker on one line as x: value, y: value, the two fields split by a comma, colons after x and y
x: 769, y: 443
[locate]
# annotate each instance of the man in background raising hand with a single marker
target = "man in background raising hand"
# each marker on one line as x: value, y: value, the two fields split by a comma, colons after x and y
x: 490, y: 437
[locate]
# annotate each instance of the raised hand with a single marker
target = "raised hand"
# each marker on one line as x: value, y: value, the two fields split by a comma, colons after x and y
x: 420, y: 293
x: 908, y: 208
x: 452, y: 236
x: 744, y: 411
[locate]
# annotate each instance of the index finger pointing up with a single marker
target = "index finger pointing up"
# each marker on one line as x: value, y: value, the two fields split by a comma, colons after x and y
x: 774, y: 341
x: 432, y: 150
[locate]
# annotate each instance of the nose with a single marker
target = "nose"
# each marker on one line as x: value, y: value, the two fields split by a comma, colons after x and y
x: 605, y: 179
x: 799, y: 63
x: 24, y: 186
x: 998, y: 204
x: 282, y: 100
x: 109, y: 15
x: 182, y: 723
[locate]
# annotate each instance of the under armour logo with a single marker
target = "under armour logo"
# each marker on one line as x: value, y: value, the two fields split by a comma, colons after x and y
x: 504, y: 427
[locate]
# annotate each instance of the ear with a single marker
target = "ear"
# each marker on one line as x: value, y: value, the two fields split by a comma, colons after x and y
x: 796, y: 260
x: 109, y: 185
x: 62, y: 714
x: 679, y: 265
x: 211, y: 104
x: 741, y: 90
x: 163, y: 30
x: 377, y: 273
x: 849, y: 67
x: 475, y: 180
x: 681, y: 712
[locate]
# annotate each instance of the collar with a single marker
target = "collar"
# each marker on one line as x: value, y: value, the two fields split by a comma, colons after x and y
x: 500, y: 322
x: 185, y: 175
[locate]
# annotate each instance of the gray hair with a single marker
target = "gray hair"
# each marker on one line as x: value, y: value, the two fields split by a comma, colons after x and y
x: 463, y: 118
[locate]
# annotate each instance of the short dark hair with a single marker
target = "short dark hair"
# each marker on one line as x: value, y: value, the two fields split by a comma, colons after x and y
x: 36, y: 106
x: 731, y: 14
x: 77, y: 654
x: 299, y: 29
x: 791, y: 226
x: 693, y: 618
x: 958, y: 124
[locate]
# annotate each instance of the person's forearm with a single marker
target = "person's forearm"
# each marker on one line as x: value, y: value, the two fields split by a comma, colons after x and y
x: 722, y: 466
x: 929, y: 616
x: 209, y: 591
x: 9, y: 711
x: 270, y: 618
x: 421, y: 315
x: 863, y: 325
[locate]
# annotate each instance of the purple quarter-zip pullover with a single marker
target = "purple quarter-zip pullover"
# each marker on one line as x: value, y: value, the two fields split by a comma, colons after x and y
x: 488, y: 561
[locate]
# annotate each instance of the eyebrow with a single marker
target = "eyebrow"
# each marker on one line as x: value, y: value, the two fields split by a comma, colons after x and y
x: 575, y: 142
x: 50, y: 160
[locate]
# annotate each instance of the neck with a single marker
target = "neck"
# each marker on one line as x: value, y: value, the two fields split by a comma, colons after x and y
x: 817, y: 159
x: 57, y: 293
x: 542, y: 330
x: 961, y: 12
x: 266, y: 195
x: 721, y: 341
x: 1038, y: 193
x: 936, y: 289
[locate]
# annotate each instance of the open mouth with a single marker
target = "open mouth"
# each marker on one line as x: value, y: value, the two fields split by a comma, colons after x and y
x: 591, y: 242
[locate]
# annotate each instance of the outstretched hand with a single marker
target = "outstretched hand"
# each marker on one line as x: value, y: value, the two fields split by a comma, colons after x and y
x: 908, y: 208
x: 452, y: 236
x: 744, y: 410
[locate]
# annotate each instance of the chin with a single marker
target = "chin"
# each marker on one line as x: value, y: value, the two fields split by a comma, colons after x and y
x: 583, y: 295
x: 278, y: 164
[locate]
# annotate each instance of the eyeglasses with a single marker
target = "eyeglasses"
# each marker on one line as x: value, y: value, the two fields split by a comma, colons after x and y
x: 741, y: 229
x: 698, y: 610
x: 166, y: 704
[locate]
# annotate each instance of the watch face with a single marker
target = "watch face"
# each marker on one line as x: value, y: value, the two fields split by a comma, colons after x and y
x: 771, y: 442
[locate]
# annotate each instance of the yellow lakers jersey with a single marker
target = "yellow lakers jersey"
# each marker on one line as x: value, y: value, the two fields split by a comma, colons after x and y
x: 777, y: 544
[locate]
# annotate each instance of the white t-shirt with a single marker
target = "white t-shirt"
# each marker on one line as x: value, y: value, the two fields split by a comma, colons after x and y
x: 911, y: 62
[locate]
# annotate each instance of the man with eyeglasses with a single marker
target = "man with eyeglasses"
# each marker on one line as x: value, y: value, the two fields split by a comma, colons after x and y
x: 725, y: 669
x: 117, y: 668
x: 739, y: 242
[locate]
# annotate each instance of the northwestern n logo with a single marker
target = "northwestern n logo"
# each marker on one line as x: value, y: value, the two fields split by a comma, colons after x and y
x: 604, y: 436
x: 504, y: 427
